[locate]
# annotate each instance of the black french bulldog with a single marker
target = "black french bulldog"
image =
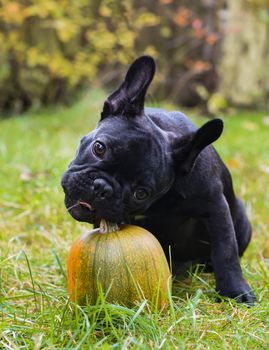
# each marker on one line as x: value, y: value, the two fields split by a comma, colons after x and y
x: 154, y: 168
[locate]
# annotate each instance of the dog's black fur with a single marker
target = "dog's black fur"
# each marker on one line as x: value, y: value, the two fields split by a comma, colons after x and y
x: 155, y: 169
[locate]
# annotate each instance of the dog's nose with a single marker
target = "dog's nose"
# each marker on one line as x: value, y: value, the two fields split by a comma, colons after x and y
x: 102, y: 189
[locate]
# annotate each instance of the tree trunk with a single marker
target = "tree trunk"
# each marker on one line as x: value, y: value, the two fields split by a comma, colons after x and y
x: 244, y: 68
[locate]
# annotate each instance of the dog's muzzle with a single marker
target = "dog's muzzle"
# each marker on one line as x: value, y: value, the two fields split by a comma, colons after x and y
x: 90, y: 197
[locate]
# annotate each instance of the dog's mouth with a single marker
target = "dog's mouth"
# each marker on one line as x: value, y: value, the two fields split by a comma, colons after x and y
x: 83, y: 211
x: 86, y: 211
x: 82, y: 204
x: 86, y: 205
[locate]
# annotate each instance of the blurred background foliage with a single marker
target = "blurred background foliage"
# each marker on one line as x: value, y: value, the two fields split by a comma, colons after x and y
x: 209, y: 53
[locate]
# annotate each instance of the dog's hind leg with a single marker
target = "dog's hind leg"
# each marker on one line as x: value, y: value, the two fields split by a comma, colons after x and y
x: 242, y: 227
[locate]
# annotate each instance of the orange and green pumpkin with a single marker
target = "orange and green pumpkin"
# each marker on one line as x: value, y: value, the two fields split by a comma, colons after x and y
x: 127, y: 265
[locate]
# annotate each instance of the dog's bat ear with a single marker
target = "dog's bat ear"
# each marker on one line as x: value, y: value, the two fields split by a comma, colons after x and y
x: 129, y: 98
x: 188, y: 147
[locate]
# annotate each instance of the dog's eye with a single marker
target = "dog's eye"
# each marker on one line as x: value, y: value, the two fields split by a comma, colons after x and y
x: 99, y: 149
x: 140, y: 194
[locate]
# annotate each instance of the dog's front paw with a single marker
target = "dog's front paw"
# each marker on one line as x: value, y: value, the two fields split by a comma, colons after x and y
x: 244, y: 295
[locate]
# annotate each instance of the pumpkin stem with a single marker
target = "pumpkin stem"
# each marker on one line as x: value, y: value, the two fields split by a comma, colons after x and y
x: 106, y: 226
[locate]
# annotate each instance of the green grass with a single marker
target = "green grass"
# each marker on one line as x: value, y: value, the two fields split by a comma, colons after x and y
x: 36, y: 233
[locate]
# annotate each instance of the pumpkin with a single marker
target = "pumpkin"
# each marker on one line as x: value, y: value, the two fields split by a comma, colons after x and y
x: 126, y: 264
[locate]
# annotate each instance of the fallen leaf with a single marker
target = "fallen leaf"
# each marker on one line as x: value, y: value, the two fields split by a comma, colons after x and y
x: 264, y: 168
x: 26, y: 175
x: 166, y: 2
x: 266, y: 120
x: 250, y: 126
x: 233, y: 164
